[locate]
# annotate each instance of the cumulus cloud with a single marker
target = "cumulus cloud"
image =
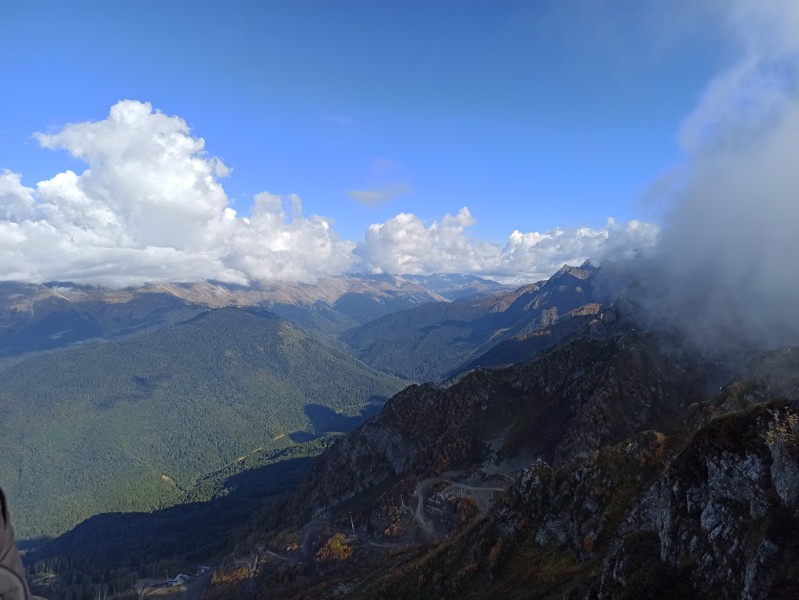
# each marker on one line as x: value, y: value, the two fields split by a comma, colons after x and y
x: 149, y: 181
x: 405, y: 245
x: 726, y: 270
x: 16, y: 201
x: 151, y: 207
x: 270, y: 245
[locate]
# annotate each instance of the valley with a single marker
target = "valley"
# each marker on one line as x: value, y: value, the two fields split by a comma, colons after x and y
x: 585, y: 516
x: 290, y: 460
x: 131, y: 424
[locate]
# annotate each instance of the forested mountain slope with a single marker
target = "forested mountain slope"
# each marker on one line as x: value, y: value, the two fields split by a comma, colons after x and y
x: 127, y: 425
x: 34, y: 318
x: 436, y: 340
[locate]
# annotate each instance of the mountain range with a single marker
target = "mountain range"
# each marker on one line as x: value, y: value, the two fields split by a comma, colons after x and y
x: 605, y: 468
x: 56, y: 315
x: 435, y: 341
x: 120, y: 399
x: 552, y: 444
x: 129, y: 424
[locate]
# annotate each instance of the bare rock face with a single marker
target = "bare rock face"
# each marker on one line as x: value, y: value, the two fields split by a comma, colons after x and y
x: 405, y: 439
x: 725, y: 511
x: 712, y: 512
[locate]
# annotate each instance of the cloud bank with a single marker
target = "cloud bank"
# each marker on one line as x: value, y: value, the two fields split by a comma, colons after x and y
x: 404, y: 244
x: 151, y: 207
x: 726, y: 269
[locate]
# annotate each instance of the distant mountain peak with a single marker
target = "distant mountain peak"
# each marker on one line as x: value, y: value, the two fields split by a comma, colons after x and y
x: 432, y: 342
x: 584, y: 271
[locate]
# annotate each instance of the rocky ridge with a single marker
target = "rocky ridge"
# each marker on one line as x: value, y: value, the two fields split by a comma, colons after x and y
x: 603, y: 469
x: 57, y: 315
x: 435, y: 341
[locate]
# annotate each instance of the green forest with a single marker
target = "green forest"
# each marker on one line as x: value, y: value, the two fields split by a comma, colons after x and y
x: 109, y: 552
x: 132, y: 425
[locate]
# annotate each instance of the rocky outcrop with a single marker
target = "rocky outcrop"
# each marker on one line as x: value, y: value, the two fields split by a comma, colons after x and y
x: 711, y: 515
x: 726, y: 510
x: 423, y: 429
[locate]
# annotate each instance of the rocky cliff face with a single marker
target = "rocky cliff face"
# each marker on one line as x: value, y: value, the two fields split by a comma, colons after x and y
x: 726, y: 508
x: 710, y: 512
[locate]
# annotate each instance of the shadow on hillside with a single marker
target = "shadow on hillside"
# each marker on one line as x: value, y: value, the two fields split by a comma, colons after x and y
x: 325, y: 420
x: 187, y: 534
x: 29, y: 544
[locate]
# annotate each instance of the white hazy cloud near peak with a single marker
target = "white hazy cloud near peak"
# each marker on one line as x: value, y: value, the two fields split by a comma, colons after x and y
x: 150, y: 207
x: 404, y: 244
x: 726, y: 266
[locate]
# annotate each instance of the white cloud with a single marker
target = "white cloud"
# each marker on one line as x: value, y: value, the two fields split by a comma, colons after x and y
x: 726, y: 266
x: 149, y: 182
x: 752, y: 94
x: 537, y: 255
x: 405, y: 245
x: 150, y: 207
x: 270, y: 245
x: 16, y: 201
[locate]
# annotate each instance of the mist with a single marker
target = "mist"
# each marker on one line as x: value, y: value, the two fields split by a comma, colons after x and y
x: 725, y: 268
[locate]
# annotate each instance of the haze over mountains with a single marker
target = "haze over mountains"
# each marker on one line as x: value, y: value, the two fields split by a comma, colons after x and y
x: 154, y: 387
x: 430, y: 342
x: 136, y: 393
x: 40, y: 317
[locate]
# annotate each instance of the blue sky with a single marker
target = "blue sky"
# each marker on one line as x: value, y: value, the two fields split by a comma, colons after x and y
x: 535, y: 115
